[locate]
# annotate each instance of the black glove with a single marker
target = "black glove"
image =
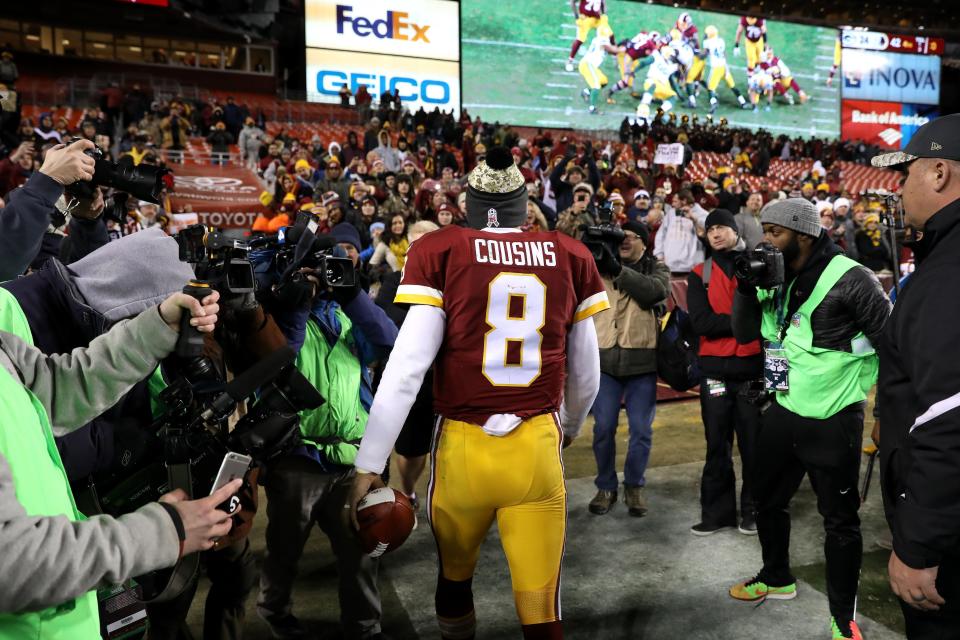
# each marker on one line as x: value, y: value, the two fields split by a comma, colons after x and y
x: 345, y: 295
x: 295, y: 293
x: 609, y: 263
x: 746, y: 288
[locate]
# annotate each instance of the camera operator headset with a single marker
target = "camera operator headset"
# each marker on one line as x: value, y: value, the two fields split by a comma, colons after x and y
x: 819, y: 315
x: 53, y: 558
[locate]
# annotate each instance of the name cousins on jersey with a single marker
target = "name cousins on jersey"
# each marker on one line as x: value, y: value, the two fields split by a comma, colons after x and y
x: 516, y: 253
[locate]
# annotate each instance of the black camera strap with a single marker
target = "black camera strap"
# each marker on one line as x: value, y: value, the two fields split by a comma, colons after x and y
x: 182, y: 574
x: 783, y: 320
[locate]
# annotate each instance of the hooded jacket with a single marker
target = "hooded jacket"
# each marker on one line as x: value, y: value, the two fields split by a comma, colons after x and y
x: 67, y: 307
x: 918, y: 399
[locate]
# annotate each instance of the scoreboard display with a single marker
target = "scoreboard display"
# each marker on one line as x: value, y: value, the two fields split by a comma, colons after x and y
x: 880, y: 41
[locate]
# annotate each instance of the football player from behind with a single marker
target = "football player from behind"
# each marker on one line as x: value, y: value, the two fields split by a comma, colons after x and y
x: 660, y: 83
x: 755, y: 30
x: 505, y: 315
x: 589, y: 68
x: 781, y: 76
x: 590, y: 14
x: 633, y: 54
x: 715, y: 49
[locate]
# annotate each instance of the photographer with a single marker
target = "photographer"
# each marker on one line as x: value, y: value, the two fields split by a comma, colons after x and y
x: 582, y: 213
x: 727, y: 368
x: 678, y: 242
x: 636, y: 283
x: 339, y: 333
x: 917, y: 394
x: 25, y: 219
x: 52, y: 594
x: 819, y: 322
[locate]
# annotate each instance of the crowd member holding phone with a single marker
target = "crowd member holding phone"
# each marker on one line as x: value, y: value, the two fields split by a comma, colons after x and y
x: 40, y: 396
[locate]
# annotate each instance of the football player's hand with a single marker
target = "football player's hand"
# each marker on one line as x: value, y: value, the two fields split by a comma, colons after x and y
x: 363, y: 483
x: 736, y: 51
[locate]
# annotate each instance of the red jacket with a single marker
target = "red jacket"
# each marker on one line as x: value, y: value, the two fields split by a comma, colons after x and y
x: 720, y: 292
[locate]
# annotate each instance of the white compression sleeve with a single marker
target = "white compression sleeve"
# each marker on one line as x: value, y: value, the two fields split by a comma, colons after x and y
x: 413, y: 353
x: 583, y: 376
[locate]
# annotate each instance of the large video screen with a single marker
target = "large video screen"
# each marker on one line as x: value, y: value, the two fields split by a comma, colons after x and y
x: 411, y: 47
x: 515, y: 68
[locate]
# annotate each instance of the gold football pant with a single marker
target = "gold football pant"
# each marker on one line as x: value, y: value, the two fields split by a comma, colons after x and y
x: 516, y: 479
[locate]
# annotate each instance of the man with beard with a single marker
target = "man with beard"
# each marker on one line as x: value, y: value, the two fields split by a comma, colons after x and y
x: 819, y: 329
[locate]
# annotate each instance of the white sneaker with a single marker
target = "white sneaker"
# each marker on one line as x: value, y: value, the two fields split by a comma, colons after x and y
x: 569, y: 65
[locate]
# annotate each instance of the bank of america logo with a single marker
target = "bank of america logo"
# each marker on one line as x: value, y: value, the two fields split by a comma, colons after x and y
x: 890, y: 136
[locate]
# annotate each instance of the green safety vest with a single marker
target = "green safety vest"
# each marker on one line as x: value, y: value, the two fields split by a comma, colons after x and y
x: 26, y: 441
x: 822, y: 381
x: 335, y: 370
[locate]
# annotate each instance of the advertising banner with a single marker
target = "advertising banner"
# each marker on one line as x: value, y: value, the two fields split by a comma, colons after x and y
x: 421, y: 83
x: 414, y: 28
x: 886, y: 124
x: 891, y: 77
x: 222, y: 197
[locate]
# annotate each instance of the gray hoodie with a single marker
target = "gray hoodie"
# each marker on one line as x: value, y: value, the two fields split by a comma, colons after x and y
x: 50, y: 560
x: 677, y: 244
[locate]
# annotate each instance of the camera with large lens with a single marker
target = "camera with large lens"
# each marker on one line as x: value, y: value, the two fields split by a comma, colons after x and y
x: 143, y: 182
x: 604, y: 240
x: 218, y: 260
x: 762, y: 267
x: 298, y: 252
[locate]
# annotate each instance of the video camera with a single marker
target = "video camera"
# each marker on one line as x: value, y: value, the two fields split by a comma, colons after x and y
x: 763, y: 267
x: 218, y: 260
x: 144, y: 182
x: 297, y: 248
x: 604, y: 240
x: 192, y: 437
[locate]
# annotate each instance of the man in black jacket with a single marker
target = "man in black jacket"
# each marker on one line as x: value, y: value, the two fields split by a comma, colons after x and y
x: 918, y: 393
x: 728, y: 368
x: 819, y: 328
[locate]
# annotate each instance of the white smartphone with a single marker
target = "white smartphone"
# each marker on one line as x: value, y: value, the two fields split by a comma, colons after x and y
x: 234, y: 466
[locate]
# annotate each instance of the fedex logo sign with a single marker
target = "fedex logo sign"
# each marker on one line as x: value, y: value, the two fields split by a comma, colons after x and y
x: 394, y: 26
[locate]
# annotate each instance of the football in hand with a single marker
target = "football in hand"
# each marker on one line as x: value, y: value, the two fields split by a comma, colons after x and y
x: 386, y: 518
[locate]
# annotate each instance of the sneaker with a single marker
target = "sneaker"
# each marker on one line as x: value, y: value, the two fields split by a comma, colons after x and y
x: 705, y: 529
x: 692, y: 102
x: 636, y: 503
x: 752, y: 590
x: 569, y: 65
x: 285, y: 626
x: 790, y: 99
x: 585, y: 94
x: 748, y: 525
x: 603, y: 502
x: 852, y: 633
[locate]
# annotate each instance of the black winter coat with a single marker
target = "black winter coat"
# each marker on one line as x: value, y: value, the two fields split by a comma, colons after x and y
x: 856, y: 303
x: 918, y: 397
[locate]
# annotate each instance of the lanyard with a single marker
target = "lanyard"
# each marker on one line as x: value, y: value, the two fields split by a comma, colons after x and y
x: 781, y: 302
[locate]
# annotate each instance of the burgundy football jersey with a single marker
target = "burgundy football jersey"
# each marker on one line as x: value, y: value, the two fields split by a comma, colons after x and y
x: 509, y: 299
x: 593, y: 8
x: 754, y: 32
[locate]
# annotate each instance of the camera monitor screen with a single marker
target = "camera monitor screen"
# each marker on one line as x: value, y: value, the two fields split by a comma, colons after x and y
x: 516, y: 66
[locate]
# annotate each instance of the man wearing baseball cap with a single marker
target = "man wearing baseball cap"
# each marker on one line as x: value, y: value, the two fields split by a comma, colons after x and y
x: 819, y: 328
x: 918, y: 390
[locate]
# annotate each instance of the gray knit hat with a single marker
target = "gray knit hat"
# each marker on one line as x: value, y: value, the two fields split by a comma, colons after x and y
x: 798, y: 214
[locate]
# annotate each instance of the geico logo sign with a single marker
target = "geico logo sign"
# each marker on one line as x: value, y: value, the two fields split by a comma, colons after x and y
x: 393, y: 26
x: 410, y: 89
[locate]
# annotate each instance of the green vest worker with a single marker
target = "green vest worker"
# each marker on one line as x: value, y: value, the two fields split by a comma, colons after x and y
x: 818, y: 329
x: 53, y: 559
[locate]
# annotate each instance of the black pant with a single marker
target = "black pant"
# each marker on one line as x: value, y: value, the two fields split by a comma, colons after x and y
x: 945, y: 623
x: 828, y: 451
x: 723, y: 415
